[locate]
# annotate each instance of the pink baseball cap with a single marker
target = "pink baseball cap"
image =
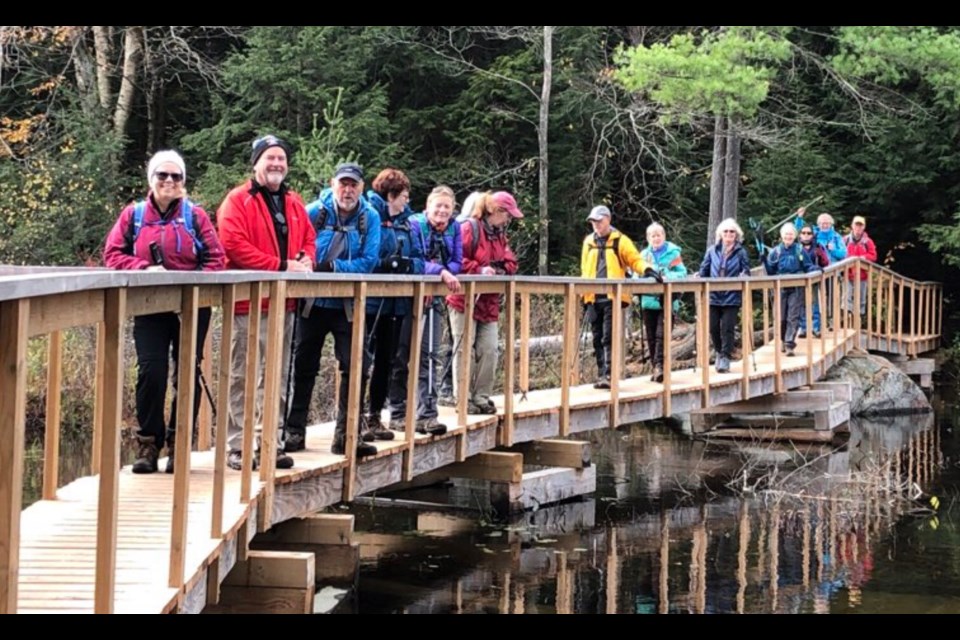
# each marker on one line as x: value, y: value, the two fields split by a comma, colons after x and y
x: 507, y: 201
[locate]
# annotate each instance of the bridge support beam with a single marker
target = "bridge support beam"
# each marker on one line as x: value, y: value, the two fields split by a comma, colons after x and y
x: 269, y: 582
x: 327, y: 537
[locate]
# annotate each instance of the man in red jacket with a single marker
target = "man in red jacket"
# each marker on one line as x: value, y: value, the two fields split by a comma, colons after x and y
x: 263, y: 226
x: 859, y: 244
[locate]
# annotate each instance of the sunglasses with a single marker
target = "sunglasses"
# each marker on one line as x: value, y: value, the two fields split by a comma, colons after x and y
x: 806, y: 233
x: 163, y: 176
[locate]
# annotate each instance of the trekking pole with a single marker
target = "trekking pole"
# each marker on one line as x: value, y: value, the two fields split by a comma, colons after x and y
x: 301, y: 304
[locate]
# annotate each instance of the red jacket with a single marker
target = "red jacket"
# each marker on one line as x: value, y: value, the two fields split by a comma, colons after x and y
x: 863, y: 248
x: 176, y: 244
x: 250, y: 241
x: 489, y: 251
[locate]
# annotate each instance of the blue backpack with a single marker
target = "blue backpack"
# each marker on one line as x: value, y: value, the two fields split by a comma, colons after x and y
x: 186, y: 219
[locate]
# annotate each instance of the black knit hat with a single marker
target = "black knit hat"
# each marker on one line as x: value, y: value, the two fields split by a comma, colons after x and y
x: 262, y: 144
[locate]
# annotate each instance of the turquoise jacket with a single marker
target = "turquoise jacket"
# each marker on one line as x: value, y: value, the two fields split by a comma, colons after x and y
x: 670, y: 265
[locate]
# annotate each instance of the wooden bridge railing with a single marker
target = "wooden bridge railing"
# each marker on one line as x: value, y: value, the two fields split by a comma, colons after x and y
x: 36, y: 302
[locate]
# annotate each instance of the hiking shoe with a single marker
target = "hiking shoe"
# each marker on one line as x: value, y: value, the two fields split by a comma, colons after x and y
x: 363, y: 449
x: 295, y: 441
x: 657, y: 374
x: 816, y: 334
x: 235, y: 461
x: 447, y: 401
x: 398, y: 424
x: 790, y: 352
x: 376, y: 428
x: 801, y: 335
x: 169, y: 466
x: 147, y: 452
x: 602, y: 383
x: 723, y: 364
x: 430, y: 427
x: 481, y: 409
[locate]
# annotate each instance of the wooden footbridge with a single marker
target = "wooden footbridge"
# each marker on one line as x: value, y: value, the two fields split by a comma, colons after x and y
x: 118, y: 542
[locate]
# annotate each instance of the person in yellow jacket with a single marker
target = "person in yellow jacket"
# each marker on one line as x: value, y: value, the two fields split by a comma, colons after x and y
x: 607, y: 253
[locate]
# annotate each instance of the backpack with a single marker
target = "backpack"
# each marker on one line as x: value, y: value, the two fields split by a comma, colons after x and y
x: 615, y: 245
x: 185, y: 219
x: 322, y: 225
x: 474, y: 235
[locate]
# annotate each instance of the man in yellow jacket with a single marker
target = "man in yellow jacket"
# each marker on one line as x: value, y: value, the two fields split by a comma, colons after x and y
x: 607, y: 253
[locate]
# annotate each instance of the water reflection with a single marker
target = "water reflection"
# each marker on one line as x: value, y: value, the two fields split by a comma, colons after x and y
x: 682, y: 526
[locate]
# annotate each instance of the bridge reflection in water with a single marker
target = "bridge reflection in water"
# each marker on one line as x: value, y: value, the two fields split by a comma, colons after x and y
x: 669, y: 531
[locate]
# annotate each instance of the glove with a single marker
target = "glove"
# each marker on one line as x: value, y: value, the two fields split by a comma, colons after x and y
x: 651, y: 273
x: 387, y: 265
x: 404, y: 265
x: 324, y: 267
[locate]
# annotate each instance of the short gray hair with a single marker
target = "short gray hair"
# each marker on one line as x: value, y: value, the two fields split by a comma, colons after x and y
x: 653, y: 226
x: 728, y: 223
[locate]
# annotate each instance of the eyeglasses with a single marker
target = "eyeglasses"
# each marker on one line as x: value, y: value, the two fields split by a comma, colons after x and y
x: 806, y: 233
x: 163, y: 176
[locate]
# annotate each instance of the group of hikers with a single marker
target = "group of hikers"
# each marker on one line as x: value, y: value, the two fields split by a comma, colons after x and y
x: 264, y: 225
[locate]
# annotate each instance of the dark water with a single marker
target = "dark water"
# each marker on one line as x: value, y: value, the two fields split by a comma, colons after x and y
x: 682, y: 526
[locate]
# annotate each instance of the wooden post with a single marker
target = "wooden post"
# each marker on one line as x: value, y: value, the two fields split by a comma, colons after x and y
x: 777, y: 338
x: 353, y: 391
x: 115, y: 313
x: 51, y: 434
x: 524, y: 341
x: 808, y: 311
x: 413, y: 378
x: 869, y: 300
x: 506, y: 436
x: 746, y: 335
x: 204, y: 420
x: 250, y: 392
x: 98, y: 399
x: 940, y: 312
x: 276, y: 321
x: 667, y: 352
x: 913, y: 319
x: 569, y: 321
x: 14, y: 318
x: 574, y: 337
x: 466, y: 353
x: 616, y: 349
x: 703, y: 333
x: 181, y: 475
x: 765, y: 299
x: 930, y: 308
x: 900, y: 317
x: 890, y: 304
x: 223, y: 408
x: 839, y: 319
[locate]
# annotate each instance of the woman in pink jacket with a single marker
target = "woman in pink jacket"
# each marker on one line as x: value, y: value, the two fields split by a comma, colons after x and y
x: 485, y: 252
x: 165, y: 231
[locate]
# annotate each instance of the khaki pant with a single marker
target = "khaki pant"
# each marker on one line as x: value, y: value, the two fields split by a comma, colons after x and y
x: 484, y: 351
x: 238, y: 377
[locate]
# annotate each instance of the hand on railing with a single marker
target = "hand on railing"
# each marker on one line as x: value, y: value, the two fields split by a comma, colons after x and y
x: 652, y: 273
x: 451, y: 281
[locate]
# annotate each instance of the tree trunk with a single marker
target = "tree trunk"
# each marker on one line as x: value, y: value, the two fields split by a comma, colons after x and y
x: 542, y: 131
x: 731, y: 173
x: 132, y: 50
x: 717, y: 174
x: 85, y: 74
x: 103, y: 49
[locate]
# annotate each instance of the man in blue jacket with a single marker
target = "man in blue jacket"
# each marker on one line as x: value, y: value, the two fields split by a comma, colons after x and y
x: 348, y: 241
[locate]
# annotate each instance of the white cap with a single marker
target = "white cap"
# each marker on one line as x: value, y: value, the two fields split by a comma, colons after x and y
x: 161, y: 157
x: 599, y: 212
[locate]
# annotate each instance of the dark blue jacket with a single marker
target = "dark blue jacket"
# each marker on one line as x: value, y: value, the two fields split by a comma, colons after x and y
x: 783, y: 261
x: 361, y: 254
x: 452, y: 241
x: 736, y: 266
x: 395, y: 241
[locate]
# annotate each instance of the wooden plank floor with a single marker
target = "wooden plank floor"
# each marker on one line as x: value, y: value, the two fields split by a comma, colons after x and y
x: 58, y: 537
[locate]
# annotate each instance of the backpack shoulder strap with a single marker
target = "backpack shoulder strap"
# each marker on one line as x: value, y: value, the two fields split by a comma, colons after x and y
x: 190, y: 223
x: 136, y: 221
x: 475, y: 236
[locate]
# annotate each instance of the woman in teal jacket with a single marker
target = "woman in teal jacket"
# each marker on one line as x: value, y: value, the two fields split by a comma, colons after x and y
x: 664, y: 257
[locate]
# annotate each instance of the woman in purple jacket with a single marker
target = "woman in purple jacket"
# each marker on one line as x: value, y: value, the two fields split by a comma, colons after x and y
x: 163, y: 232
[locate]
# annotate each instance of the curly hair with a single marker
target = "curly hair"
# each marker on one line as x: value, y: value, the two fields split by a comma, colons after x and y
x: 391, y: 182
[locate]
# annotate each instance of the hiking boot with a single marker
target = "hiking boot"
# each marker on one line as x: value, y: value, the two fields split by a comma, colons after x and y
x: 295, y: 441
x: 447, y: 401
x: 723, y: 364
x: 366, y: 435
x: 430, y: 426
x: 146, y: 461
x: 284, y: 461
x: 816, y: 333
x: 171, y: 450
x: 801, y: 335
x: 375, y: 427
x: 363, y: 449
x: 603, y: 382
x: 398, y: 424
x: 790, y: 352
x: 657, y: 374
